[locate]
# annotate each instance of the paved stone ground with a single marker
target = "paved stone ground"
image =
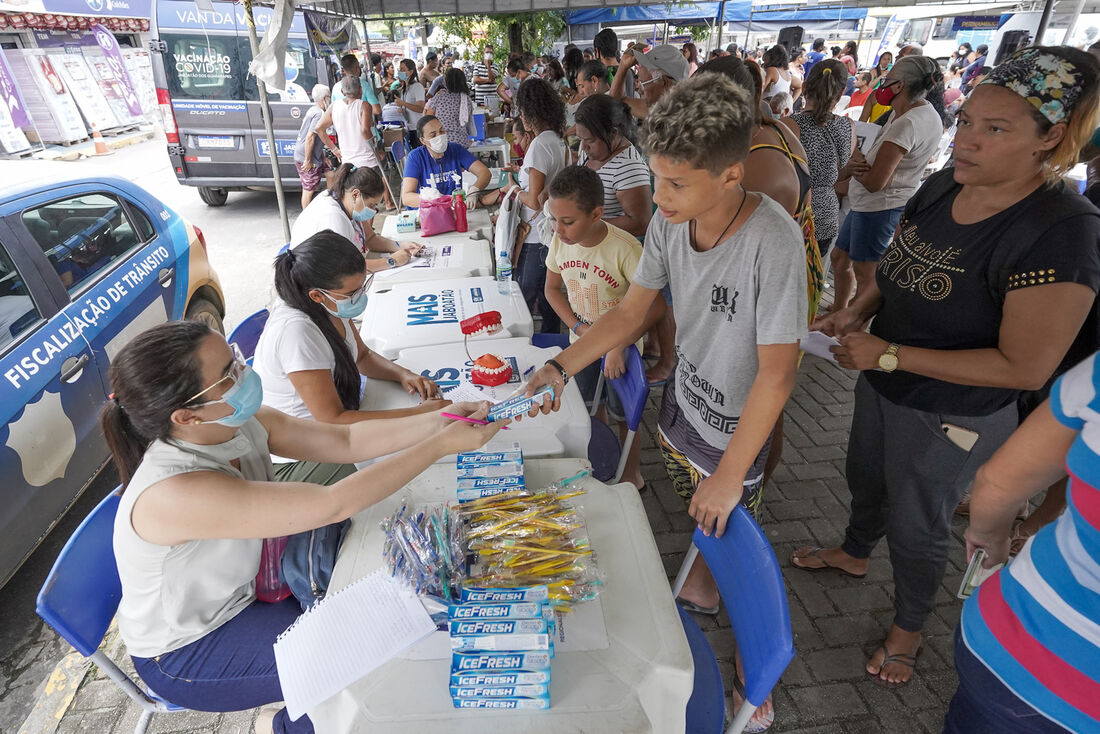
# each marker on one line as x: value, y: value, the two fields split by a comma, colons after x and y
x: 837, y: 621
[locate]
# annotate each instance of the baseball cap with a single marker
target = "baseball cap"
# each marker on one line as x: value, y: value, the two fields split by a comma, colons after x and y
x: 666, y: 59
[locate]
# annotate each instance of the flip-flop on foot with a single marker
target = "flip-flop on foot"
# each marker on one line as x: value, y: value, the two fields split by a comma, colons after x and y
x: 889, y: 658
x: 760, y: 725
x: 693, y: 607
x: 825, y: 565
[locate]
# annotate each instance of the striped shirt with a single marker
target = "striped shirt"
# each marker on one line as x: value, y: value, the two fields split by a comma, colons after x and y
x: 625, y: 171
x: 480, y: 90
x: 1036, y: 623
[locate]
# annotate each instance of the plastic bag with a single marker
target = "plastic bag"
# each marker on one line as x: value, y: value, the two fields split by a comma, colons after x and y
x: 437, y: 216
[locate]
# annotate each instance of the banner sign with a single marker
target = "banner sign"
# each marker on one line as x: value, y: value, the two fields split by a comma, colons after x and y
x: 111, y: 52
x: 330, y: 35
x: 9, y: 95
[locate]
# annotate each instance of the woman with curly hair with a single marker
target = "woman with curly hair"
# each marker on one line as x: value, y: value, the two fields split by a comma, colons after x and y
x: 543, y: 114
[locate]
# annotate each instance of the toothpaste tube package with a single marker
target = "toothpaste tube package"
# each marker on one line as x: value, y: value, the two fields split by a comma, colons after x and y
x: 532, y: 661
x: 473, y: 489
x: 529, y: 704
x: 514, y: 594
x: 498, y: 627
x: 518, y: 404
x: 493, y: 455
x: 516, y: 691
x: 486, y: 471
x: 515, y: 678
x: 501, y: 643
x: 521, y: 610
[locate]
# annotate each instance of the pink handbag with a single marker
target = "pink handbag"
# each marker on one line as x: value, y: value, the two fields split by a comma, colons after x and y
x: 437, y: 216
x: 270, y: 587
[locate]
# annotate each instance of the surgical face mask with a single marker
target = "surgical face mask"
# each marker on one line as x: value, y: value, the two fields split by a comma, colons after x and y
x: 488, y: 57
x: 348, y: 307
x: 363, y: 215
x: 402, y: 75
x: 245, y: 397
x: 438, y: 144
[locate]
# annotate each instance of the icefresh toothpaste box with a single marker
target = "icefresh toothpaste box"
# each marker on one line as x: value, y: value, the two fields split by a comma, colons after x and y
x: 496, y: 455
x: 515, y: 594
x: 516, y: 691
x: 502, y: 642
x: 462, y: 662
x: 485, y: 471
x: 536, y: 703
x: 513, y: 678
x: 475, y: 489
x: 521, y: 610
x: 518, y: 404
x: 496, y: 627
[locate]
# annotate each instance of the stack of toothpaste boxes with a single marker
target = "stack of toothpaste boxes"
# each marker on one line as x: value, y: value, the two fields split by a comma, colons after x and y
x: 489, y: 472
x: 501, y: 639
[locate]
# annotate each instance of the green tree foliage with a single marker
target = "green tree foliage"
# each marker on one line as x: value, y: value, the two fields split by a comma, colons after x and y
x: 535, y: 32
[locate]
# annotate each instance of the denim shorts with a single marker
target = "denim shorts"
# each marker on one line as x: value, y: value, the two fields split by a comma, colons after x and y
x: 866, y: 235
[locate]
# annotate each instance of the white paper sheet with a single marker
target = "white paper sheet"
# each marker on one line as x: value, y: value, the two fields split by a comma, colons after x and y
x: 466, y: 392
x: 866, y: 135
x: 817, y: 344
x: 346, y: 636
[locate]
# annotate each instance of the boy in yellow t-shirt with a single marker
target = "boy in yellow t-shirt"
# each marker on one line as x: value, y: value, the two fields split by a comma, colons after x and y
x: 594, y: 262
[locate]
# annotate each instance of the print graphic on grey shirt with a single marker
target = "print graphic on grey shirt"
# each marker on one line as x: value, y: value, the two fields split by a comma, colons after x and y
x: 750, y: 290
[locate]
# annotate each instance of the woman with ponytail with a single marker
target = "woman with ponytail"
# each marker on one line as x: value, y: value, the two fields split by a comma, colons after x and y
x: 310, y: 355
x: 193, y: 447
x: 347, y: 209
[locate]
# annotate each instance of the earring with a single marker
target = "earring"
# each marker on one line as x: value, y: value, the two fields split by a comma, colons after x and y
x: 198, y: 421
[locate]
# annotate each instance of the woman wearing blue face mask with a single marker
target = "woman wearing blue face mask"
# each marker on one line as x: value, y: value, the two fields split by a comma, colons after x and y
x: 347, y: 209
x: 411, y: 99
x: 192, y: 445
x: 310, y: 355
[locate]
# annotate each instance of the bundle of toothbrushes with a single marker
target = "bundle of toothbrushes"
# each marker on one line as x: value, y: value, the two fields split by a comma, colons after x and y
x: 502, y: 641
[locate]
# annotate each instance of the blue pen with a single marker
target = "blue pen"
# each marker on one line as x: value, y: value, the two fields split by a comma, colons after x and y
x: 529, y: 370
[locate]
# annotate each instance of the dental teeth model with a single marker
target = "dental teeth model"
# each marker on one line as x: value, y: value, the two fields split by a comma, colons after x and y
x: 490, y: 370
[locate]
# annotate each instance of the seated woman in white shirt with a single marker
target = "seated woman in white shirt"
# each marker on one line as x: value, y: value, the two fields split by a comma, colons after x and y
x: 310, y: 355
x: 192, y: 445
x: 347, y: 209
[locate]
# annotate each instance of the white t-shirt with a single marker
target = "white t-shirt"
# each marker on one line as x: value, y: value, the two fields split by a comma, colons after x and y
x: 415, y: 94
x: 325, y: 212
x: 918, y: 133
x: 347, y: 118
x: 546, y: 154
x: 292, y: 343
x: 626, y: 170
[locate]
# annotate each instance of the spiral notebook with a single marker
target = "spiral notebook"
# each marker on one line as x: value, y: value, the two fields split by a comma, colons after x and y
x: 348, y: 635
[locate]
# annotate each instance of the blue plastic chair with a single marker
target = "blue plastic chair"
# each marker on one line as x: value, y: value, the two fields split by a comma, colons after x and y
x: 399, y: 151
x: 706, y: 709
x: 545, y: 341
x: 81, y: 596
x: 247, y: 333
x: 751, y: 585
x: 633, y: 391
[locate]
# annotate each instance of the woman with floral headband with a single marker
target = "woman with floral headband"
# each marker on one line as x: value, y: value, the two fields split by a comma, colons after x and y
x: 991, y: 274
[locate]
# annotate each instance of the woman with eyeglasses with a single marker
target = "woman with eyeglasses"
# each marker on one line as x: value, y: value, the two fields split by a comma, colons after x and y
x: 310, y: 355
x: 347, y: 209
x: 193, y: 448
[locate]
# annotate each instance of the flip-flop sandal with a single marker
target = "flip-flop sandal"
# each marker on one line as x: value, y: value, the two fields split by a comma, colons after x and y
x: 693, y: 607
x: 751, y: 728
x: 826, y: 566
x: 900, y: 659
x: 656, y: 383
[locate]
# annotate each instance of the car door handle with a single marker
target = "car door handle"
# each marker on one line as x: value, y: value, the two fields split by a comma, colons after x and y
x: 164, y: 277
x: 73, y: 367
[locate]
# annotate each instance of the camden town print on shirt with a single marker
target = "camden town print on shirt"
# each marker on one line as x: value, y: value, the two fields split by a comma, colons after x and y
x: 723, y: 302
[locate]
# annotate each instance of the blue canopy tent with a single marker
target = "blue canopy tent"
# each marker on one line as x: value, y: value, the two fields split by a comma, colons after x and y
x: 740, y: 14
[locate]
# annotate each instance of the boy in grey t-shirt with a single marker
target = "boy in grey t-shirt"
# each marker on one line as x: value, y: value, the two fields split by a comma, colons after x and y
x: 735, y: 262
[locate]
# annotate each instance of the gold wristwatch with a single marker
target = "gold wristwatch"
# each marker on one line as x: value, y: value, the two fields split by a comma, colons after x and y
x: 888, y: 360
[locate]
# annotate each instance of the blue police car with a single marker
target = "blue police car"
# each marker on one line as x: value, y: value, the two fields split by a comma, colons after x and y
x: 84, y: 266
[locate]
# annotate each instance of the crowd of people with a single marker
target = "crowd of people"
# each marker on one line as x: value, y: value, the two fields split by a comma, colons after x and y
x: 966, y: 300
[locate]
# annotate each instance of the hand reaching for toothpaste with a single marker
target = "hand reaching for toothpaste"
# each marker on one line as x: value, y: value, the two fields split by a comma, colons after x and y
x: 546, y: 375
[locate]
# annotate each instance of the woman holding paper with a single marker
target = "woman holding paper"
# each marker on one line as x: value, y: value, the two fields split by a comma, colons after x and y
x: 192, y: 445
x: 310, y: 355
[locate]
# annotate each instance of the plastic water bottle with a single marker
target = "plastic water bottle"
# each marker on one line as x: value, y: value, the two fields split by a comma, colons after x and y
x: 504, y: 274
